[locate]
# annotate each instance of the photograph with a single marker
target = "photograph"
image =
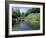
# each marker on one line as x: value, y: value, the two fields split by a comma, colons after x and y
x: 25, y: 18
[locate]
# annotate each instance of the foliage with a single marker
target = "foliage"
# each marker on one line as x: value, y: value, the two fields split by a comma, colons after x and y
x: 32, y: 10
x: 16, y: 13
x: 33, y: 21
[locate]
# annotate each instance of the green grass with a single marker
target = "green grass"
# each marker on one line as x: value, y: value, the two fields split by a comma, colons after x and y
x: 33, y: 21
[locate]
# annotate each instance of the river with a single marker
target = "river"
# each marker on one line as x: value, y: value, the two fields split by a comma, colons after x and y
x: 23, y: 27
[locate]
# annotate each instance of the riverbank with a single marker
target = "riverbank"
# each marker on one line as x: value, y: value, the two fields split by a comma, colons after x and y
x: 31, y: 22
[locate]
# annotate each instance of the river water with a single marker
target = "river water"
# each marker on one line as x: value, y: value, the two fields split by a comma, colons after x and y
x: 23, y: 27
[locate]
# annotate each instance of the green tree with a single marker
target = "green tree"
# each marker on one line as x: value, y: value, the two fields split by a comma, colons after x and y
x: 17, y: 12
x: 15, y: 16
x: 32, y: 10
x: 35, y: 10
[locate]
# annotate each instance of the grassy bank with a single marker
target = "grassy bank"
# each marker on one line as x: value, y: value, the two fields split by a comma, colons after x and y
x: 33, y: 20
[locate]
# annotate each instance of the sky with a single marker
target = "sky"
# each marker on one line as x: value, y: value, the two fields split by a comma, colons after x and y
x: 22, y: 9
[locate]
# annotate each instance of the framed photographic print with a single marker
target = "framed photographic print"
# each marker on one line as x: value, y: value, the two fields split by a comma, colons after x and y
x: 24, y: 18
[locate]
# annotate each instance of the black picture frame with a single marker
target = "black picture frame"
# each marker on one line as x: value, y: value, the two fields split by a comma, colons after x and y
x: 7, y: 18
